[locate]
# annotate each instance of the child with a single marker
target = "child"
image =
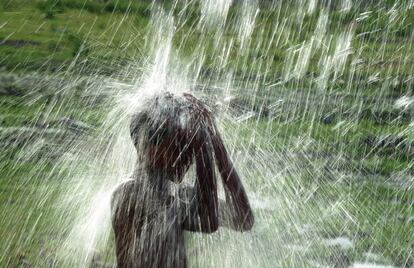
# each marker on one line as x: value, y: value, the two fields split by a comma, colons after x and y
x: 170, y: 133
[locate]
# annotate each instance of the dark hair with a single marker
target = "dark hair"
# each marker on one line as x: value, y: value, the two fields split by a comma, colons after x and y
x: 179, y: 125
x: 183, y: 127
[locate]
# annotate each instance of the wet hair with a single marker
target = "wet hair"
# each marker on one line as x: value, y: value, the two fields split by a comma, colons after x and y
x: 170, y: 132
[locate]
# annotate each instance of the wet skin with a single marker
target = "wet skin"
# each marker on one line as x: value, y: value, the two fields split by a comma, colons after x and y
x: 148, y: 219
x: 149, y: 222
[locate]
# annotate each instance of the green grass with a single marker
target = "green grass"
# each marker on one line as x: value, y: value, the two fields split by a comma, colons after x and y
x: 379, y: 211
x: 67, y: 34
x: 30, y: 205
x: 49, y: 35
x: 105, y: 28
x: 380, y: 216
x: 348, y: 138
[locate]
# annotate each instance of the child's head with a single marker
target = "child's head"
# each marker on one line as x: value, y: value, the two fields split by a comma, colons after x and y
x: 169, y: 132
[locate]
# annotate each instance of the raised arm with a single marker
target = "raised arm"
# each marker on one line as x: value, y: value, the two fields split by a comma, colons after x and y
x: 237, y: 205
x: 205, y: 211
x: 201, y: 214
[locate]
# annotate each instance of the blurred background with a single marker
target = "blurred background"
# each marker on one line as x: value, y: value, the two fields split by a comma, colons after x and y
x: 314, y: 99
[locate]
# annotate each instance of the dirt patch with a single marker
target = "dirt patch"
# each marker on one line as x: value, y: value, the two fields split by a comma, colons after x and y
x: 9, y: 91
x: 18, y: 43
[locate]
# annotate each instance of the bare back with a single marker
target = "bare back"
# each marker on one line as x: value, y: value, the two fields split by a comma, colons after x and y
x: 148, y: 231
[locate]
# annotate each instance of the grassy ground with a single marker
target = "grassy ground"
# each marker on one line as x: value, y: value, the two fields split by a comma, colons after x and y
x: 364, y: 197
x: 38, y: 34
x: 380, y: 208
x: 48, y: 35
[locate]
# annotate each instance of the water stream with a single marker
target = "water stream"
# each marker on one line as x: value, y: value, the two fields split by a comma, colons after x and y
x: 262, y: 66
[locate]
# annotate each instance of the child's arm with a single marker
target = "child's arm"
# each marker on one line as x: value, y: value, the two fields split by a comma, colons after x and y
x: 234, y: 212
x: 233, y: 217
x: 226, y: 212
x: 237, y: 203
x: 201, y: 214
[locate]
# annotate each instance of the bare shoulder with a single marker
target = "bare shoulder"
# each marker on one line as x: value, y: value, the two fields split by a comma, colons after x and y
x: 124, y: 191
x: 124, y: 186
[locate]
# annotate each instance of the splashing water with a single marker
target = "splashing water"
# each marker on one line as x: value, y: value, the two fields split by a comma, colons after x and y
x: 295, y: 87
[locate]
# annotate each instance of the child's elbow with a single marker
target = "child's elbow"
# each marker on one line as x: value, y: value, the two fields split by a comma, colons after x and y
x: 247, y: 224
x: 212, y: 227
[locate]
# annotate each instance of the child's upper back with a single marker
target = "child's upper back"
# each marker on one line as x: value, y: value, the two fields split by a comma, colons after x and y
x: 147, y: 227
